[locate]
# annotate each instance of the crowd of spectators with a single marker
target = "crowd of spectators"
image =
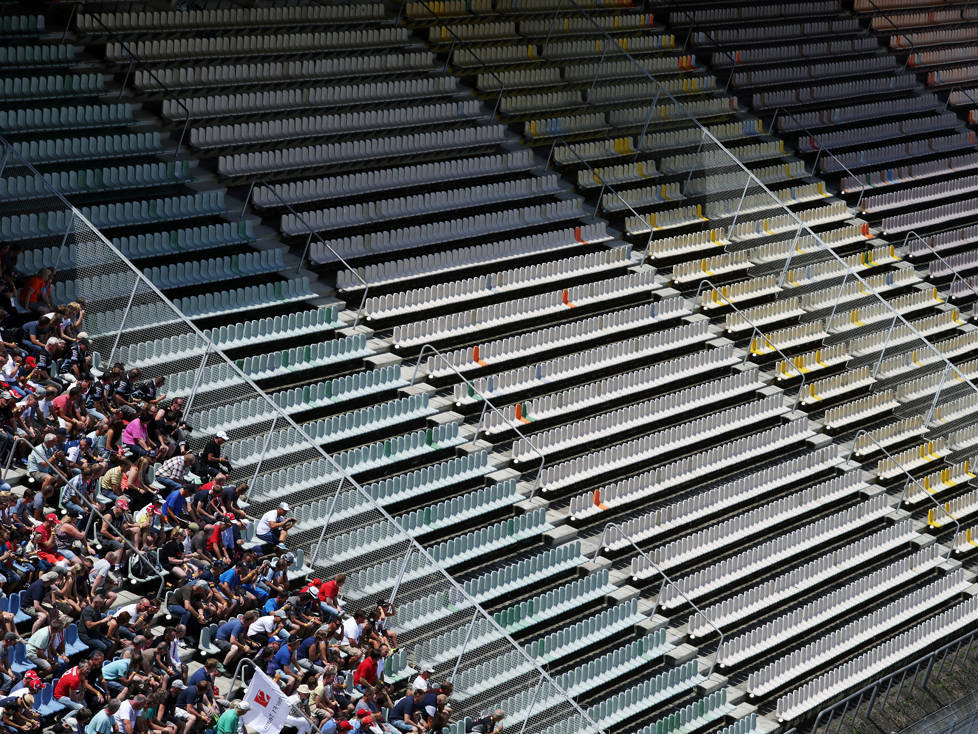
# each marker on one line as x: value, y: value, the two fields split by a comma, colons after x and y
x: 112, y: 500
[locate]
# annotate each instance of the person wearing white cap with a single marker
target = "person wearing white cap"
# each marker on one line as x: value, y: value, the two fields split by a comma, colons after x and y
x: 227, y: 723
x: 211, y: 463
x: 273, y: 526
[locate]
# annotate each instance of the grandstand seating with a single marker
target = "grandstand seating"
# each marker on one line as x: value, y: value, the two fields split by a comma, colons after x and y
x: 519, y: 192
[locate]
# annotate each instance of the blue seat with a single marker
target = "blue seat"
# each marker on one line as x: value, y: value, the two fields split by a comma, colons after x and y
x: 49, y: 706
x: 72, y: 643
x: 20, y: 664
x: 15, y: 604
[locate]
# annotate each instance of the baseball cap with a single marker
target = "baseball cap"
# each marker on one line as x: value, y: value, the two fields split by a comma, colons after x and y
x: 344, y: 726
x: 60, y: 568
x: 51, y: 517
x: 123, y: 503
x: 222, y: 435
x: 284, y: 506
x: 230, y: 517
x: 304, y: 689
x: 5, y: 395
x: 280, y: 613
x: 49, y: 577
x: 242, y: 706
x: 178, y: 684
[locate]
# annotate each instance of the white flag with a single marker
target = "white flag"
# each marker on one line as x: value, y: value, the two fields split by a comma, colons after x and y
x: 269, y: 707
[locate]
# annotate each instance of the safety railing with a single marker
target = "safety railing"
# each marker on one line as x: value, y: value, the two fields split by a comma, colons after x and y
x: 94, y: 512
x: 613, y: 532
x: 933, y: 663
x: 216, y: 383
x: 312, y: 233
x: 135, y: 61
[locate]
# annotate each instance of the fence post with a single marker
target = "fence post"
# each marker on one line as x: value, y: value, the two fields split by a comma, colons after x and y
x: 937, y: 396
x: 791, y: 254
x: 64, y: 239
x: 743, y: 195
x: 400, y: 574
x: 879, y: 362
x: 533, y: 702
x: 122, y: 324
x: 465, y: 644
x: 329, y: 516
x: 198, y: 378
x: 264, y: 450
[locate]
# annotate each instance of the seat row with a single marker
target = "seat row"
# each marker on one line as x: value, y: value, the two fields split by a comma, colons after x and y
x: 877, y: 659
x: 157, y: 20
x: 247, y: 44
x: 420, y: 204
x: 349, y: 122
x: 358, y: 150
x: 498, y: 251
x: 380, y: 179
x: 824, y: 608
x: 423, y: 235
x: 119, y: 214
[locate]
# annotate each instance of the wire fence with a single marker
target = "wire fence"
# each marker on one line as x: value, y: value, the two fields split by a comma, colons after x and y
x: 305, y: 446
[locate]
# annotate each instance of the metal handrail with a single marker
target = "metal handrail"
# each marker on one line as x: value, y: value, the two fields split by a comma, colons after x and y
x: 457, y: 40
x: 896, y: 28
x: 821, y: 148
x: 756, y: 332
x: 874, y: 687
x: 956, y: 274
x: 236, y: 371
x: 485, y: 401
x: 133, y: 61
x: 95, y: 509
x: 910, y: 478
x: 665, y: 580
x: 312, y: 233
x: 788, y: 212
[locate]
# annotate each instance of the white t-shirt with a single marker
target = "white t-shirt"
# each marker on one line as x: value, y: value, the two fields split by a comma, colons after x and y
x: 131, y: 608
x: 126, y: 711
x: 264, y: 521
x: 351, y: 630
x: 264, y: 625
x: 101, y: 567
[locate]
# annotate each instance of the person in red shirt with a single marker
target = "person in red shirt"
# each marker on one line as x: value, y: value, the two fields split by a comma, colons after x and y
x: 68, y: 690
x: 329, y: 595
x: 215, y: 545
x: 366, y: 672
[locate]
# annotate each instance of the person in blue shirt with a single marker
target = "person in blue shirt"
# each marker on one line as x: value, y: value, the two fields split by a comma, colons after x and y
x: 174, y: 507
x: 104, y: 721
x: 404, y: 714
x: 231, y: 637
x: 117, y: 675
x: 211, y: 668
x: 274, y: 604
x: 281, y: 666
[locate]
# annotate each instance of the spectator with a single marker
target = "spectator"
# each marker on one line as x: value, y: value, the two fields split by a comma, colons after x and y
x: 69, y: 691
x: 273, y: 526
x: 228, y: 722
x: 491, y: 724
x: 404, y: 716
x: 173, y: 471
x: 211, y: 463
x: 35, y: 296
x: 329, y: 595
